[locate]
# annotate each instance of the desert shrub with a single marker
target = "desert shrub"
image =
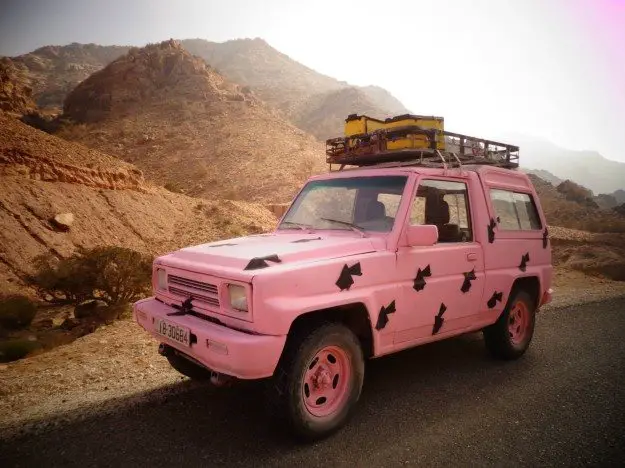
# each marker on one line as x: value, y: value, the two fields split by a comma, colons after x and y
x: 16, y: 349
x: 113, y: 275
x: 16, y: 312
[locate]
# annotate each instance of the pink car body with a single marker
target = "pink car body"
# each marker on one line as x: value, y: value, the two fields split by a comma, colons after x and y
x: 401, y: 284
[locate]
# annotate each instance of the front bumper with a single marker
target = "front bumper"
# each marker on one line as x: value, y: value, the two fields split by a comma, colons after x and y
x: 221, y: 349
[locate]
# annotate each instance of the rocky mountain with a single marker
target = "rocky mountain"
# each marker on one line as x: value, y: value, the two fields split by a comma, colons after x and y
x: 274, y: 76
x: 299, y: 92
x: 53, y: 71
x: 101, y: 200
x: 587, y: 168
x: 189, y: 128
x: 316, y: 103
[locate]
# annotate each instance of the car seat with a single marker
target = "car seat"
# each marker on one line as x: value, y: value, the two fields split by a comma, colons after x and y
x: 375, y: 210
x: 437, y: 213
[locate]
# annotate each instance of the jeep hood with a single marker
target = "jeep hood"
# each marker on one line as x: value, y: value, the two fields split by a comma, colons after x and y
x: 252, y: 254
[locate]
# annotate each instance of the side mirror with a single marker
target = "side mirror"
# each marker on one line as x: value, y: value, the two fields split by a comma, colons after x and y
x: 422, y: 235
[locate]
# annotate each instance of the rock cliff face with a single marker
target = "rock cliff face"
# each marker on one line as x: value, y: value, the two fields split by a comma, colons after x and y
x: 15, y: 93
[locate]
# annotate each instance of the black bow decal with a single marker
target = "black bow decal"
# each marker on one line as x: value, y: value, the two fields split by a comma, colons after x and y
x: 345, y: 280
x: 261, y: 262
x: 545, y: 238
x: 184, y: 308
x: 496, y: 297
x: 383, y: 317
x: 491, y: 230
x: 524, y: 259
x: 419, y: 281
x: 438, y: 319
x: 468, y: 277
x: 300, y: 241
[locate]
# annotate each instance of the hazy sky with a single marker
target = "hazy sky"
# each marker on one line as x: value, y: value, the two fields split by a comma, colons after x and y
x: 548, y: 68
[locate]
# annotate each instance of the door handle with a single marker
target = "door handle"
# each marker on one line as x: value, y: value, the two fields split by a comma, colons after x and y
x: 472, y: 257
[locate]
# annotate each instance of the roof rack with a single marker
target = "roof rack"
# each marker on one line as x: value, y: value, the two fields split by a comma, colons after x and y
x: 416, y: 145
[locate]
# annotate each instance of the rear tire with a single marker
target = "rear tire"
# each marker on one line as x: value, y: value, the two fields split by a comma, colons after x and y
x: 511, y: 335
x: 188, y: 368
x: 318, y: 381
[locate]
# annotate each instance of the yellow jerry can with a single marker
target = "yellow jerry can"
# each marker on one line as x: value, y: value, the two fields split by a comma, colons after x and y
x: 358, y: 125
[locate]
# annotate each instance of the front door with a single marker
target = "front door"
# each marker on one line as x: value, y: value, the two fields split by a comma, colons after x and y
x: 442, y: 284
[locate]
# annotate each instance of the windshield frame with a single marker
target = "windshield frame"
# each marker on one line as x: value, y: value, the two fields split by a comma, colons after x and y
x: 397, y: 221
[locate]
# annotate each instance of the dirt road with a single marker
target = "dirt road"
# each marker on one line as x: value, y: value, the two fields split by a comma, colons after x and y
x: 440, y: 404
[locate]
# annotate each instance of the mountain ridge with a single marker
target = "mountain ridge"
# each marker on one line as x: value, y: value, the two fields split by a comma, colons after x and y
x: 273, y: 76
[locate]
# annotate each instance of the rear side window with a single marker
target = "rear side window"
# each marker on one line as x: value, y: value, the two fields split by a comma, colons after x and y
x: 516, y: 211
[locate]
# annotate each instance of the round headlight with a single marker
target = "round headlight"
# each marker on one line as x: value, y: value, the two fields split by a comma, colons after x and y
x: 238, y: 299
x: 161, y: 279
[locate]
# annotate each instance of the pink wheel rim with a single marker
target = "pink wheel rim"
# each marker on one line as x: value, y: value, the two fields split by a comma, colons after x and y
x: 326, y: 381
x: 518, y: 323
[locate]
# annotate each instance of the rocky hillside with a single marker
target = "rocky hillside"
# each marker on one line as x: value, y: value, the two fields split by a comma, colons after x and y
x: 274, y: 76
x: 573, y: 209
x: 324, y: 114
x: 109, y: 202
x: 15, y: 93
x: 190, y: 129
x: 53, y: 71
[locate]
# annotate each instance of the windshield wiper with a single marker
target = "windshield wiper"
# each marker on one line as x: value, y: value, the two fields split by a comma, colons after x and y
x: 354, y: 227
x: 303, y: 227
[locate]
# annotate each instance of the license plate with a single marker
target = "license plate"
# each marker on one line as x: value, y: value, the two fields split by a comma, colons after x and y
x: 174, y: 332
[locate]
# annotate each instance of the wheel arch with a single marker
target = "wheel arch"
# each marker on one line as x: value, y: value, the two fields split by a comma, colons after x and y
x: 354, y: 316
x: 529, y: 284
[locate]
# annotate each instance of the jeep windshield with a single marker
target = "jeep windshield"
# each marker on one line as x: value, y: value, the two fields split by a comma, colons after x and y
x: 363, y: 204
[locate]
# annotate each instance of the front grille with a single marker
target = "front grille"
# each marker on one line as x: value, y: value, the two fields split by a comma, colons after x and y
x: 192, y: 284
x: 197, y: 290
x: 199, y: 297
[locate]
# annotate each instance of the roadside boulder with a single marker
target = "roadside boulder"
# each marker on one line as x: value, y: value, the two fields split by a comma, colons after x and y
x: 63, y: 221
x: 89, y: 309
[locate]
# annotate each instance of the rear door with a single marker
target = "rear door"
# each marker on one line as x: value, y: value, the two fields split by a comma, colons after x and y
x: 441, y: 285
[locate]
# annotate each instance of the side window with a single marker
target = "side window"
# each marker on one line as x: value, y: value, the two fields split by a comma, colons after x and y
x: 445, y: 204
x: 516, y: 211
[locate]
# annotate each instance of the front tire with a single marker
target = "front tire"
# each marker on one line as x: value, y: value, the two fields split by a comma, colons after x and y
x: 511, y: 335
x: 318, y: 381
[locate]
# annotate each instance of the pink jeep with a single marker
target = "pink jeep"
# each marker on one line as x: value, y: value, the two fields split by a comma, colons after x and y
x: 365, y: 262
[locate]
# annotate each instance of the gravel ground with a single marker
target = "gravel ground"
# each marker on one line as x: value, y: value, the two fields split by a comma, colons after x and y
x: 443, y: 404
x: 119, y: 365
